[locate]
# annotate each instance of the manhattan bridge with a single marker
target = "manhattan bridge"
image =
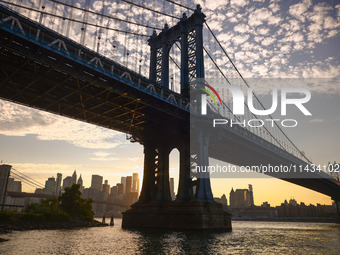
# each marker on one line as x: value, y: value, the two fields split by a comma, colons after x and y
x: 129, y: 66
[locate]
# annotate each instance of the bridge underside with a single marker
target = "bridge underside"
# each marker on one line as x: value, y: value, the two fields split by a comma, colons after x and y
x: 39, y: 78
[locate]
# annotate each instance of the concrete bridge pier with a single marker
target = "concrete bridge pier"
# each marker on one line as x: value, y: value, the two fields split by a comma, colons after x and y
x: 188, y: 212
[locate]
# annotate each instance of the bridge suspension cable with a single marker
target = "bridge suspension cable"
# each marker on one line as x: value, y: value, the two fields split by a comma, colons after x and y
x: 71, y: 19
x: 149, y: 9
x: 246, y: 83
x: 28, y: 180
x: 105, y: 16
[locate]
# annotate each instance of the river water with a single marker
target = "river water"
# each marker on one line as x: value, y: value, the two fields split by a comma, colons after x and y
x: 246, y: 238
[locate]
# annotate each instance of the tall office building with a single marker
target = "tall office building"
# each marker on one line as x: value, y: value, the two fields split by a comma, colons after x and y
x: 135, y: 182
x: 58, y: 184
x: 67, y: 182
x: 74, y: 177
x: 50, y: 186
x: 123, y: 181
x: 120, y: 189
x: 14, y: 186
x: 97, y: 182
x: 172, y: 189
x: 241, y: 198
x: 106, y: 188
x: 128, y: 185
x: 114, y: 192
x: 80, y: 182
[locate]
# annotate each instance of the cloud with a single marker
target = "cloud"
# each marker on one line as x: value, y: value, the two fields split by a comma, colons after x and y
x: 298, y: 10
x: 133, y: 159
x: 17, y: 120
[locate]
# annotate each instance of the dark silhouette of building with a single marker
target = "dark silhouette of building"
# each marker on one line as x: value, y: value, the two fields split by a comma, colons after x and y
x: 58, y: 184
x: 97, y: 182
x: 74, y: 177
x: 241, y: 198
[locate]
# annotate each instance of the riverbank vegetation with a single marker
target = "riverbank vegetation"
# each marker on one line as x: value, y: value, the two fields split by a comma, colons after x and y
x: 67, y: 211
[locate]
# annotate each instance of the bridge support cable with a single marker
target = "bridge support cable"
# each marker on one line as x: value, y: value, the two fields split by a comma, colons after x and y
x: 28, y: 180
x: 150, y: 9
x: 281, y: 144
x: 245, y: 82
x: 73, y: 20
x: 106, y: 16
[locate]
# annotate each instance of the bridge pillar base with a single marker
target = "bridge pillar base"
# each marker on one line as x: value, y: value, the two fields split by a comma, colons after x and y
x: 177, y: 215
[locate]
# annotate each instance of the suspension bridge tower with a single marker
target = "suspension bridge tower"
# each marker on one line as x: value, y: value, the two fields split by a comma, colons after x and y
x: 191, y: 210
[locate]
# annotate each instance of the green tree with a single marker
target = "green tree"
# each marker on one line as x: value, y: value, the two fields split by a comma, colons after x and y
x: 46, y: 205
x: 77, y: 207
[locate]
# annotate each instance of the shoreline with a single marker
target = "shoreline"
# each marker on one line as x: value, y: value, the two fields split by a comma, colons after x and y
x: 8, y: 227
x: 288, y: 219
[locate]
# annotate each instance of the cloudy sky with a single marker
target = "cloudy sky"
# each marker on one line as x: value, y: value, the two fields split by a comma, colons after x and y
x: 265, y: 39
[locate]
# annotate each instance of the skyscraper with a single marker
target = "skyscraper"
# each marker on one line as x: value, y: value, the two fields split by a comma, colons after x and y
x: 67, y: 182
x: 241, y: 198
x: 128, y: 184
x: 123, y: 181
x: 50, y: 186
x: 13, y: 185
x: 74, y: 177
x: 80, y: 182
x: 97, y: 182
x: 135, y: 182
x: 114, y: 192
x: 106, y: 188
x: 58, y: 184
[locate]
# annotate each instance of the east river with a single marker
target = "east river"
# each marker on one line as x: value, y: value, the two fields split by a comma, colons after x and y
x: 246, y: 238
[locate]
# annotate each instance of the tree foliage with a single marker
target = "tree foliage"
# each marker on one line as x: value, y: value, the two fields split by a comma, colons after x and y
x: 77, y: 207
x: 70, y: 204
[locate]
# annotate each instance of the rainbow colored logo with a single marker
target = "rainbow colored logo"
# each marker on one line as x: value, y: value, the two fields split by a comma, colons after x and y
x: 210, y: 94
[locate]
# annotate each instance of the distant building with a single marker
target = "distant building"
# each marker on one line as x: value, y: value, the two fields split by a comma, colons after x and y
x: 74, y: 177
x: 80, y: 182
x: 123, y: 181
x: 14, y: 186
x: 58, y: 184
x: 113, y: 193
x: 135, y: 182
x: 172, y: 189
x: 241, y: 198
x: 120, y: 191
x: 67, y: 182
x: 50, y: 186
x: 39, y: 191
x: 222, y: 200
x: 106, y: 188
x: 97, y: 182
x: 128, y: 185
x: 293, y: 209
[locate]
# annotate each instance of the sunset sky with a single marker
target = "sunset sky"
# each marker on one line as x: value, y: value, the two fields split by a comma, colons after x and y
x: 277, y: 39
